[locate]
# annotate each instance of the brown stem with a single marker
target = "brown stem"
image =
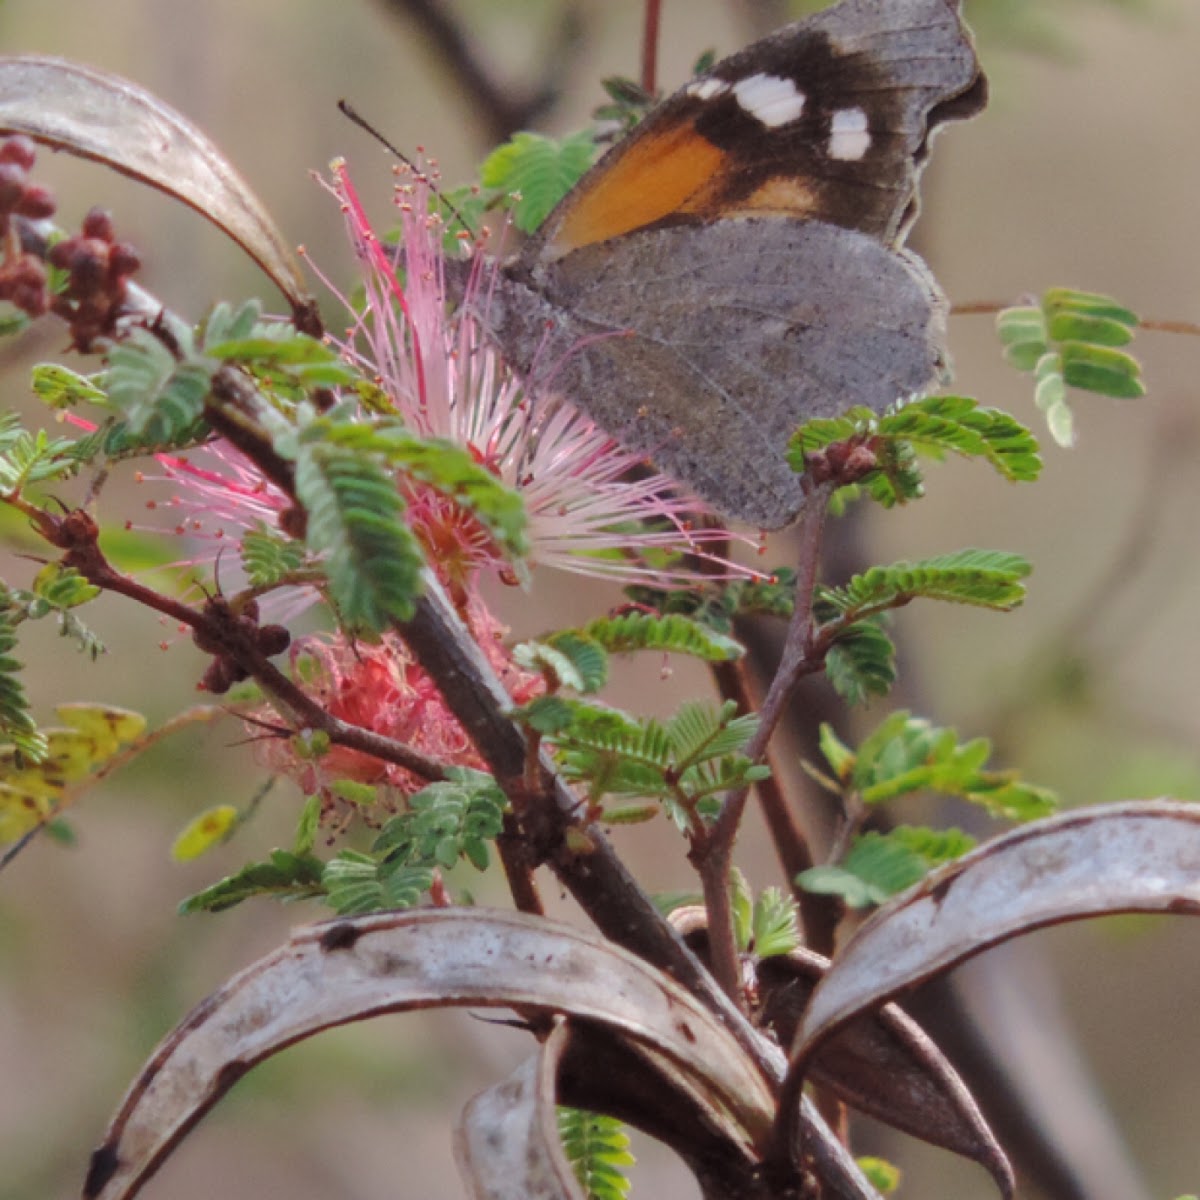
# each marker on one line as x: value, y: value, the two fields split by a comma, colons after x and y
x: 514, y: 857
x: 989, y: 308
x: 587, y: 867
x: 787, y: 836
x: 76, y: 534
x: 650, y: 37
x: 795, y: 662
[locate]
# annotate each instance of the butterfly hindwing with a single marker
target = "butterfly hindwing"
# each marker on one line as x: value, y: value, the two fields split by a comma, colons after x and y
x: 704, y: 353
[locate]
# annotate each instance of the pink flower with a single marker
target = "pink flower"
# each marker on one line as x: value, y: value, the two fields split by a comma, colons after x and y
x: 594, y: 508
x: 380, y: 687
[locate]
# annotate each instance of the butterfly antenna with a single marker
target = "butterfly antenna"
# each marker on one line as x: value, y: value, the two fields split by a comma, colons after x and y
x: 352, y: 114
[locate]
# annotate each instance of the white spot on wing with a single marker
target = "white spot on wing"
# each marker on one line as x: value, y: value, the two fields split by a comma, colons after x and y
x: 706, y: 89
x: 770, y: 99
x: 848, y: 136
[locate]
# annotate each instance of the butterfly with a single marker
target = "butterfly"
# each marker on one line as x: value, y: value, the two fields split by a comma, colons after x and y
x: 735, y: 266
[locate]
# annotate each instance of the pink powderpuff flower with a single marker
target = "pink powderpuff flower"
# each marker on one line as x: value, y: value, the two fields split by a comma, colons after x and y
x: 380, y: 687
x: 594, y: 507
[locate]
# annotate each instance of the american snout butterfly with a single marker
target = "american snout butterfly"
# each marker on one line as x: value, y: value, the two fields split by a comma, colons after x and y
x: 735, y: 266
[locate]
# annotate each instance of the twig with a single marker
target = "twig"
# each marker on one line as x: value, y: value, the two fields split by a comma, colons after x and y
x: 989, y: 308
x: 716, y: 862
x: 651, y: 21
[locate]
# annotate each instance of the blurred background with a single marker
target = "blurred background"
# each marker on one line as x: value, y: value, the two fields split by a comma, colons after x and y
x: 1083, y: 172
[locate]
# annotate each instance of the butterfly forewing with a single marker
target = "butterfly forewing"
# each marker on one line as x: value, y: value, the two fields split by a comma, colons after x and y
x: 826, y: 120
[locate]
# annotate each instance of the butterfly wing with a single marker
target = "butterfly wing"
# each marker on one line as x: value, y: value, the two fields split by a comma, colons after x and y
x: 704, y: 350
x: 829, y: 119
x: 733, y: 268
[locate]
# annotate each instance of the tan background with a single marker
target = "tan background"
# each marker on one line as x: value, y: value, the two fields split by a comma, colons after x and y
x: 1084, y: 171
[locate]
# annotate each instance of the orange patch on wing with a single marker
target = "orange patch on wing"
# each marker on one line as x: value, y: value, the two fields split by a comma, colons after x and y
x: 792, y: 197
x: 658, y: 175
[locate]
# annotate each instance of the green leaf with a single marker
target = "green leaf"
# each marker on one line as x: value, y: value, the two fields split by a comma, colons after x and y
x: 874, y: 870
x: 355, y: 518
x: 446, y: 467
x: 587, y: 657
x: 159, y: 395
x: 742, y: 909
x: 273, y: 348
x: 14, y: 323
x: 269, y: 558
x: 1102, y: 370
x: 698, y: 732
x: 1072, y: 340
x: 1056, y: 301
x: 31, y: 788
x: 936, y: 424
x: 837, y: 754
x: 569, y: 659
x: 861, y: 663
x: 356, y: 883
x: 881, y: 865
x: 546, y: 715
x: 774, y: 925
x: 986, y: 578
x: 933, y: 425
x: 63, y: 587
x: 116, y: 440
x: 27, y: 458
x: 1070, y: 326
x: 308, y: 826
x: 225, y: 323
x: 906, y: 754
x: 59, y: 388
x: 1050, y: 396
x: 881, y: 1174
x: 447, y: 821
x: 538, y: 169
x: 597, y: 1147
x: 17, y: 725
x: 285, y: 875
x: 672, y: 633
x: 684, y: 763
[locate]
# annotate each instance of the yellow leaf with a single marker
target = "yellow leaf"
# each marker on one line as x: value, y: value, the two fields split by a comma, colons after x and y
x: 70, y: 755
x: 20, y: 811
x: 204, y: 832
x: 110, y: 728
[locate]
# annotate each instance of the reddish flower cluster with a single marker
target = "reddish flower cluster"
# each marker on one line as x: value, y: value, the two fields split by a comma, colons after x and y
x: 22, y: 274
x: 98, y: 267
x: 380, y: 687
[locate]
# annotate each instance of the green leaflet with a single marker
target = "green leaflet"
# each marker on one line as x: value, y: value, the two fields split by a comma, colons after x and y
x: 933, y: 426
x: 285, y: 875
x: 683, y: 763
x: 539, y: 169
x: 987, y: 578
x: 597, y: 1147
x: 906, y: 754
x: 881, y: 865
x: 1072, y: 340
x: 355, y: 519
x: 268, y: 558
